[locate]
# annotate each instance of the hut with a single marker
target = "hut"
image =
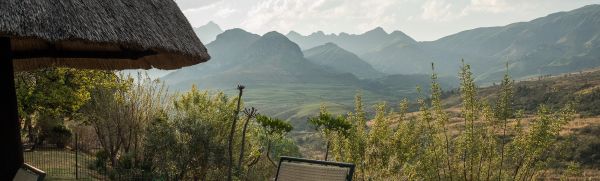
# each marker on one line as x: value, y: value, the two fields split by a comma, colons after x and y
x: 89, y: 34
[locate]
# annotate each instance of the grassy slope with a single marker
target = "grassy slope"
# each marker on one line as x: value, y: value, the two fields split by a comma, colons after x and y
x: 582, y: 88
x: 297, y: 102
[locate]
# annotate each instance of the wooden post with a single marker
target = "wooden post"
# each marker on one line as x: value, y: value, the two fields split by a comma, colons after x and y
x: 327, y: 151
x: 76, y: 156
x: 10, y: 128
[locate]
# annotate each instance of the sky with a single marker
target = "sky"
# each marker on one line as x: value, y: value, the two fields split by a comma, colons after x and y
x: 424, y: 20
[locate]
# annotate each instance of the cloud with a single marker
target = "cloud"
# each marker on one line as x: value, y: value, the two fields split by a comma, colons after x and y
x: 225, y: 12
x: 488, y: 6
x: 423, y: 19
x: 204, y: 7
x: 186, y: 4
x: 352, y: 15
x: 437, y: 10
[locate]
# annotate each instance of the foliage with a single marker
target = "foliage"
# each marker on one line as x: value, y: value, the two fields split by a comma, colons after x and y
x: 488, y: 143
x: 47, y: 96
x: 191, y: 140
x: 274, y: 126
x: 60, y: 135
x: 120, y: 114
x: 274, y: 131
x: 330, y: 126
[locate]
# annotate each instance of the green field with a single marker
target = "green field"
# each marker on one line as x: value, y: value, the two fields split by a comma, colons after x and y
x: 296, y: 102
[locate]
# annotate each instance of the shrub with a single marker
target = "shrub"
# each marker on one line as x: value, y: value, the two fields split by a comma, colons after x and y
x: 59, y: 135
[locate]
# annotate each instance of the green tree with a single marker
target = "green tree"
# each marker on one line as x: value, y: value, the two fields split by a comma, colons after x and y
x: 48, y: 96
x: 190, y: 140
x: 120, y: 115
x: 274, y: 129
x: 329, y: 126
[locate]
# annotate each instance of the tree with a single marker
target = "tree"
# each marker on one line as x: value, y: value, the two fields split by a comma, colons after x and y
x: 478, y: 145
x: 120, y: 114
x: 504, y: 111
x: 330, y: 126
x: 274, y: 129
x: 190, y: 140
x: 250, y: 113
x: 47, y: 96
x: 232, y: 132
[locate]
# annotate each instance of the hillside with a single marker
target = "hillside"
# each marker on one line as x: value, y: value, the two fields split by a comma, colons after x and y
x: 239, y: 57
x: 558, y: 43
x: 581, y: 88
x: 335, y: 58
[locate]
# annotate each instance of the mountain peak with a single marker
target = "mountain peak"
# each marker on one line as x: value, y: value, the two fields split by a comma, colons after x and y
x: 236, y: 34
x: 293, y: 33
x: 318, y: 33
x: 235, y: 31
x: 274, y: 34
x: 210, y: 26
x: 211, y: 23
x: 402, y: 36
x: 208, y: 32
x: 378, y: 30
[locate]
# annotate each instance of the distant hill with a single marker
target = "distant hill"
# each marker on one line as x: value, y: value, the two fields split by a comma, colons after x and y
x: 208, y: 33
x: 390, y: 53
x: 358, y: 44
x: 335, y: 58
x: 558, y: 43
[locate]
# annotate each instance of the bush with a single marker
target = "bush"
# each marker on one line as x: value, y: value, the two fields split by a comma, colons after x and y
x: 59, y: 135
x: 101, y: 161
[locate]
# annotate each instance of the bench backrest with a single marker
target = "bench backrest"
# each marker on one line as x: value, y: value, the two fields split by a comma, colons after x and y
x: 299, y: 169
x: 29, y: 173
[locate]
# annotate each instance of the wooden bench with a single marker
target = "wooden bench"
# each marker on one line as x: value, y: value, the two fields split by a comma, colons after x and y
x: 299, y: 169
x: 29, y: 173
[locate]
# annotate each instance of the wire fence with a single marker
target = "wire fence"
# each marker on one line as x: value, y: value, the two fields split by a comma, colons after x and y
x: 74, y: 163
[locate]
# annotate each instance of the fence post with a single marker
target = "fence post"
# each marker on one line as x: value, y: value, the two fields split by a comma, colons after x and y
x: 76, y: 156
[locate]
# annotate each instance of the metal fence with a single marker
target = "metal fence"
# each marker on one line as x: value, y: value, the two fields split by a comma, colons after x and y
x: 71, y: 162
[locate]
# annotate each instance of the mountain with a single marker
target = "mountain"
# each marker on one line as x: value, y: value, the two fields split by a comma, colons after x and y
x: 390, y: 53
x: 281, y: 82
x: 400, y: 57
x: 208, y: 33
x: 239, y: 57
x: 357, y: 44
x: 335, y: 58
x: 558, y: 43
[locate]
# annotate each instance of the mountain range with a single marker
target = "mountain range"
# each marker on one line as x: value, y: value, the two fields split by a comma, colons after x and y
x: 557, y: 43
x: 289, y: 76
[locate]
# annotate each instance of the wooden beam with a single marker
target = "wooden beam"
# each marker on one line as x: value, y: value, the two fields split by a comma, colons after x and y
x: 51, y: 53
x: 10, y: 128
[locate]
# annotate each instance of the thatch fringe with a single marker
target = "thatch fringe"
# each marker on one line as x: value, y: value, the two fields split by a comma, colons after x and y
x: 101, y: 25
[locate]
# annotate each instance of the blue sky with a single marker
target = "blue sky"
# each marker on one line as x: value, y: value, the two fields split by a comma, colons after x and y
x: 421, y: 19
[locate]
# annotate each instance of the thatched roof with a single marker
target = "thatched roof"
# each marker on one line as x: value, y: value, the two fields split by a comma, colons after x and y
x: 99, y: 34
